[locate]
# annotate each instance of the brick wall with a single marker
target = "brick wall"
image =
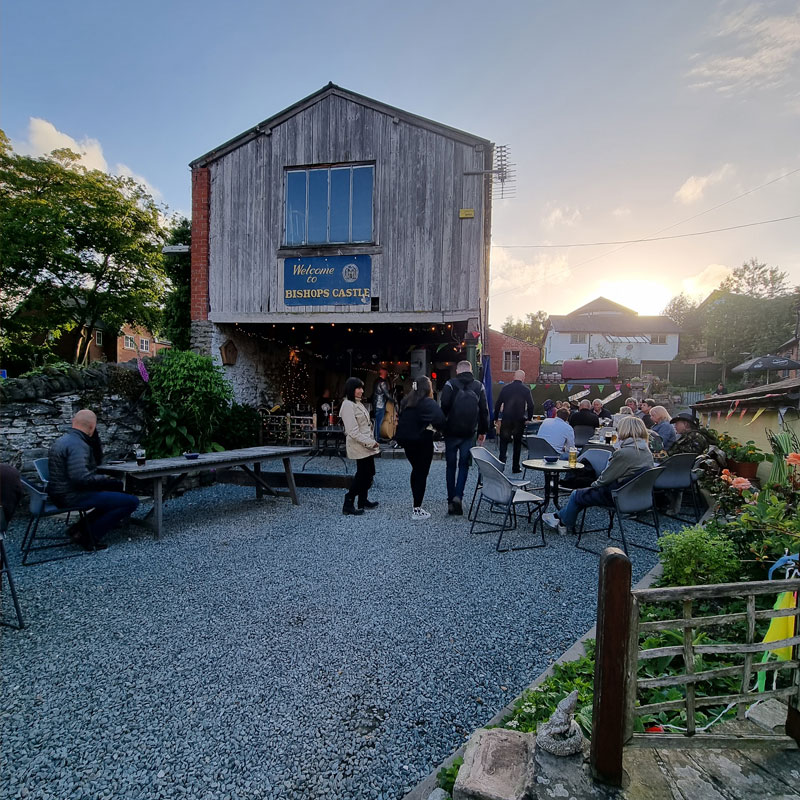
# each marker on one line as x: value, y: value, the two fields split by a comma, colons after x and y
x: 530, y: 356
x: 201, y: 191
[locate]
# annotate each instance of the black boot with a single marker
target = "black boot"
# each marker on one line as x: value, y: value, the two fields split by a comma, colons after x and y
x: 367, y: 503
x: 349, y: 508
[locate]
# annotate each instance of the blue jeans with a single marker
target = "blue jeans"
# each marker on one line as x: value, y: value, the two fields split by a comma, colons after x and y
x: 110, y: 508
x: 380, y: 413
x: 584, y: 498
x: 457, y: 449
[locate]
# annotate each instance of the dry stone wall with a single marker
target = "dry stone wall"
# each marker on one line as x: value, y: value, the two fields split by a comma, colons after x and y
x: 35, y: 411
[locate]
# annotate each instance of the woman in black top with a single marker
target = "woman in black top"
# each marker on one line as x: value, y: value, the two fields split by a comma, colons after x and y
x: 419, y: 414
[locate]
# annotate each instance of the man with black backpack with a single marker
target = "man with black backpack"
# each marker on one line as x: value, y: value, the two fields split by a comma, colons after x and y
x: 464, y: 404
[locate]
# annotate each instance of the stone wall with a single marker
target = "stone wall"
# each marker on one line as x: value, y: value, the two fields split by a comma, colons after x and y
x: 256, y: 375
x: 34, y: 412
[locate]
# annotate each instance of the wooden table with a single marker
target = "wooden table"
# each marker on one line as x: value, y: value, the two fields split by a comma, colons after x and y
x: 179, y: 468
x: 551, y: 473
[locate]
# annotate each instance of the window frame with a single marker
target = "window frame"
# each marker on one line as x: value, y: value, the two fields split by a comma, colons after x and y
x: 330, y: 169
x: 98, y: 338
x: 577, y: 338
x: 656, y: 338
x: 508, y: 359
x: 126, y: 339
x: 144, y: 344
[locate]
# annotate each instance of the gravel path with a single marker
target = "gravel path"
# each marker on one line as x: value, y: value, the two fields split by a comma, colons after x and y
x: 262, y: 650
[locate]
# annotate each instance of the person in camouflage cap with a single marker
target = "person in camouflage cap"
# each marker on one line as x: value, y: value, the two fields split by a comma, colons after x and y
x: 691, y: 437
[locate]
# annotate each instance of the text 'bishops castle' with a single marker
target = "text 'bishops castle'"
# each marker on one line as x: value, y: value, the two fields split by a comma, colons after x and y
x: 307, y: 294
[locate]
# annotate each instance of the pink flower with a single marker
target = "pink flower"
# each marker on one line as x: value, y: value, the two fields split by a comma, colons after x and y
x: 143, y: 370
x: 741, y: 484
x: 793, y: 459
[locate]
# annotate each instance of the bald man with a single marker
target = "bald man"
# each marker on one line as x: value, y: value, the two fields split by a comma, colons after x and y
x: 513, y: 408
x: 73, y: 461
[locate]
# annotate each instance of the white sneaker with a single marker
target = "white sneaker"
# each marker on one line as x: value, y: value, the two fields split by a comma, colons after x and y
x: 552, y: 521
x: 420, y: 513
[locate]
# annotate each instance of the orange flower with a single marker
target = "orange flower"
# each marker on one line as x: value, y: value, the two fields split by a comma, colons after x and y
x: 793, y: 459
x: 726, y: 472
x: 726, y: 476
x: 741, y: 484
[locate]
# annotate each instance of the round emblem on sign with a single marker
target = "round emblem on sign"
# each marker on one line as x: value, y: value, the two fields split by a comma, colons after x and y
x: 350, y: 273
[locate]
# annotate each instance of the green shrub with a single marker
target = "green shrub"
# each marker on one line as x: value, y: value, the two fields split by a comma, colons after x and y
x: 698, y: 555
x: 238, y: 427
x: 188, y: 396
x: 446, y: 778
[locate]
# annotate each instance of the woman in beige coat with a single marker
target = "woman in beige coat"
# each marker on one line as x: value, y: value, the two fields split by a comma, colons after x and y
x: 361, y: 446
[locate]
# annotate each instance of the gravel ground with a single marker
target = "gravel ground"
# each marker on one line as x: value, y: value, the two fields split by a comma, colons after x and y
x: 263, y: 650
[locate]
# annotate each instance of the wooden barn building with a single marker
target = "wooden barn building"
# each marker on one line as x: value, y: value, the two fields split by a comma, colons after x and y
x: 341, y: 234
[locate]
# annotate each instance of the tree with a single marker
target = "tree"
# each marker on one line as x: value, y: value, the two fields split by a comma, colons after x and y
x: 531, y: 329
x: 753, y: 320
x: 77, y: 247
x: 678, y: 308
x: 177, y: 311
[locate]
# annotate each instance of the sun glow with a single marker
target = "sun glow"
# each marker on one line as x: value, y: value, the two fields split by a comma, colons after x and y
x: 645, y: 297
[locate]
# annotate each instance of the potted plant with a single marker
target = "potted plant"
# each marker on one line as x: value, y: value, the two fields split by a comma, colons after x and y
x: 743, y: 459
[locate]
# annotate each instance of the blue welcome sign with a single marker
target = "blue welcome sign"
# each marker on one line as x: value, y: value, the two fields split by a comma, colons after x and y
x: 327, y: 280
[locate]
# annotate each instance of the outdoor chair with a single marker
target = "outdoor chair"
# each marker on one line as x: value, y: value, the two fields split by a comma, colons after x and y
x: 678, y: 475
x: 501, y: 493
x: 482, y: 453
x: 596, y: 456
x: 582, y: 434
x: 5, y: 572
x: 539, y: 448
x: 609, y: 448
x: 40, y: 508
x: 42, y: 467
x: 629, y: 502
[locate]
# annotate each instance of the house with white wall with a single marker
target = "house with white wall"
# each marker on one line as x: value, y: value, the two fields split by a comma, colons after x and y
x: 604, y: 329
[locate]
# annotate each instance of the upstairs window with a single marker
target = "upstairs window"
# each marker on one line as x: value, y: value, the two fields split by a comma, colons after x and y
x: 510, y: 360
x: 144, y: 345
x: 577, y: 338
x: 98, y: 338
x: 129, y: 343
x: 329, y: 205
x: 658, y: 338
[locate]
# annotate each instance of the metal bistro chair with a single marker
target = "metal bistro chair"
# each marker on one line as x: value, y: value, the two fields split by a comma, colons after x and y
x: 5, y: 571
x: 679, y: 475
x: 479, y: 453
x: 500, y: 492
x: 539, y: 448
x: 582, y: 434
x: 41, y: 507
x: 597, y: 457
x: 630, y: 500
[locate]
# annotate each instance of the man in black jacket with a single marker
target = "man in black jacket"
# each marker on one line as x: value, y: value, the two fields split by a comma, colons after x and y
x: 516, y: 404
x: 464, y: 404
x: 584, y: 416
x: 74, y: 482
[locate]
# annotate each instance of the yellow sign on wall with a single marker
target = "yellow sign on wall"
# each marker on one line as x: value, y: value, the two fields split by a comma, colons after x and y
x: 466, y: 213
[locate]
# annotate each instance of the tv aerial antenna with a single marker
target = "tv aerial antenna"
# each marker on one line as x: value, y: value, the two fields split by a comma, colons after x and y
x: 503, y: 173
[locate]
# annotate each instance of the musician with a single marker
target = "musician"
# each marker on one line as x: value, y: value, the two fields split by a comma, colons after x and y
x: 381, y: 395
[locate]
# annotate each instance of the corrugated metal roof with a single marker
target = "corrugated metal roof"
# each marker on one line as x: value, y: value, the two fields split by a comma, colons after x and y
x: 787, y: 389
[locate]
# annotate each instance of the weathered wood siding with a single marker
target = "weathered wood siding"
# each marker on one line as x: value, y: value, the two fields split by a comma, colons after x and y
x: 427, y: 258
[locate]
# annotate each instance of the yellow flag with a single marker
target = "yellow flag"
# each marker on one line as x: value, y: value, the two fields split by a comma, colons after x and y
x: 756, y: 416
x: 779, y: 628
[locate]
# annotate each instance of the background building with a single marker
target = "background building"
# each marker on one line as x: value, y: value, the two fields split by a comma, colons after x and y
x: 604, y: 329
x: 337, y: 236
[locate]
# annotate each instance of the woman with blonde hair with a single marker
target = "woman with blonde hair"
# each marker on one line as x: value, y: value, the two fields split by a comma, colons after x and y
x: 662, y: 426
x: 633, y: 457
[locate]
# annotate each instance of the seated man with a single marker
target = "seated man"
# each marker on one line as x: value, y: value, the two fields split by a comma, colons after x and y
x: 585, y: 416
x: 75, y: 482
x: 633, y: 457
x: 644, y: 412
x: 691, y: 437
x: 557, y: 432
x: 599, y: 409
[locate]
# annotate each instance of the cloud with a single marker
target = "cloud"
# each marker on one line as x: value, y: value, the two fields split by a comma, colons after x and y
x: 44, y: 137
x: 694, y: 186
x: 621, y: 212
x: 524, y: 276
x: 561, y: 215
x: 757, y: 52
x: 701, y: 285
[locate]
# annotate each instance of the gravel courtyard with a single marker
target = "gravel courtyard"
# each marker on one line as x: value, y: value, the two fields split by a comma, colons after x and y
x: 263, y: 650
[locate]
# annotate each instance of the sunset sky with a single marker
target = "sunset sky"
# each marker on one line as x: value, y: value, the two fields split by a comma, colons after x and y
x: 625, y: 120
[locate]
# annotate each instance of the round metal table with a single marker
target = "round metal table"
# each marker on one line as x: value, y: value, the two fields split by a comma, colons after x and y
x: 551, y: 475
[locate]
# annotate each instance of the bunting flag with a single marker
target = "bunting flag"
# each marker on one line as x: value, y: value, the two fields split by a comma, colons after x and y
x: 618, y: 386
x: 735, y: 404
x: 587, y: 386
x: 708, y: 421
x: 547, y: 386
x: 600, y: 388
x: 563, y: 386
x: 730, y: 412
x: 628, y: 385
x: 719, y: 414
x: 756, y: 415
x: 742, y: 413
x: 533, y: 386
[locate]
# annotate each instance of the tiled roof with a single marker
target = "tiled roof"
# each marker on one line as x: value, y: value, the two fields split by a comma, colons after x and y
x: 769, y: 393
x: 616, y: 325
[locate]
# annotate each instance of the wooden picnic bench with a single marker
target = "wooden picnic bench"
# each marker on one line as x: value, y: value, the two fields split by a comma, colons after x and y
x: 167, y: 474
